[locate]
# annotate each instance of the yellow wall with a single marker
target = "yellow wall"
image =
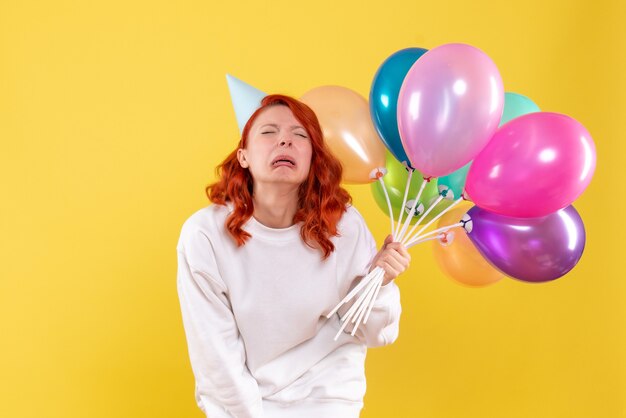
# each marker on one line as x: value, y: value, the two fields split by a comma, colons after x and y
x: 113, y: 115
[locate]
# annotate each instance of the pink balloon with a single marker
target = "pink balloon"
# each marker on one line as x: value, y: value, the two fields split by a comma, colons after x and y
x: 534, y: 165
x: 449, y: 107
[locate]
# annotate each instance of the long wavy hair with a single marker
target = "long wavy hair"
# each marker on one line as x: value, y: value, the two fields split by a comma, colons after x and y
x: 321, y: 199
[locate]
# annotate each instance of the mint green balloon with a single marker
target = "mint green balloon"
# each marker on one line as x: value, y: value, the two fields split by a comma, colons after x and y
x: 455, y: 181
x: 516, y: 105
x: 395, y: 183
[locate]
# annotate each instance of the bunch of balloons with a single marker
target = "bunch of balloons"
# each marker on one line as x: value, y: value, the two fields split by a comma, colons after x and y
x: 454, y: 136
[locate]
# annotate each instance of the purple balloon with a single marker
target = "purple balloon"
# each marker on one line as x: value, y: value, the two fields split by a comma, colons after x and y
x: 449, y: 107
x: 528, y: 249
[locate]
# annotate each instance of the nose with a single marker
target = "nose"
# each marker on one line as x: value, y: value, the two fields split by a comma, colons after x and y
x: 285, y: 141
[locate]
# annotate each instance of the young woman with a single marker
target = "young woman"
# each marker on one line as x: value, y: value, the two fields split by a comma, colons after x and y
x: 260, y: 268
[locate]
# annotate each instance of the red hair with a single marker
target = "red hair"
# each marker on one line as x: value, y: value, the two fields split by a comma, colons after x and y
x: 321, y: 199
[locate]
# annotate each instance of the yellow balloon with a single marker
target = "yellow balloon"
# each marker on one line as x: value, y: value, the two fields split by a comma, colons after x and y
x: 460, y: 260
x: 348, y: 130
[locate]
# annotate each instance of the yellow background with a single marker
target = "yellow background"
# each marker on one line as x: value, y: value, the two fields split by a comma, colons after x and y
x: 113, y: 115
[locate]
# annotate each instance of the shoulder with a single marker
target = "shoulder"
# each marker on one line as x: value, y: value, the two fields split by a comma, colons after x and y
x: 207, y: 221
x: 206, y: 218
x: 351, y: 216
x: 352, y: 223
x: 355, y: 244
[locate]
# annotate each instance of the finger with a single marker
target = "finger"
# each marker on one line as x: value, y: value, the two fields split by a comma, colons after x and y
x: 396, y: 245
x: 403, y: 259
x: 401, y: 249
x: 388, y: 240
x: 390, y: 272
x: 405, y: 254
x: 395, y: 261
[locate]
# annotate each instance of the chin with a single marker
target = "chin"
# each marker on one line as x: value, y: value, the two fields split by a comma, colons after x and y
x: 293, y: 181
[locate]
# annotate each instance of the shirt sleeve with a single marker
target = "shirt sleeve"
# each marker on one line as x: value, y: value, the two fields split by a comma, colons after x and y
x: 224, y: 386
x: 382, y: 326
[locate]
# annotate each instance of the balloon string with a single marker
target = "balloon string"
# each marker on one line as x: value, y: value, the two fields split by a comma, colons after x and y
x: 364, y: 281
x: 406, y: 193
x: 412, y: 212
x: 369, y: 308
x: 363, y: 308
x: 436, y: 231
x: 368, y: 303
x: 414, y: 243
x: 374, y: 286
x: 372, y: 282
x: 443, y: 212
x: 346, y: 317
x: 422, y: 217
x: 382, y: 183
x: 375, y: 274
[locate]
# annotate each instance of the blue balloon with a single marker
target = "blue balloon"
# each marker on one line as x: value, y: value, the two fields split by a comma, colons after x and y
x: 384, y: 98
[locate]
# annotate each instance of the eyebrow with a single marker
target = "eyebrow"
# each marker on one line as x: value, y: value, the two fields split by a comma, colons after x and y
x: 276, y: 126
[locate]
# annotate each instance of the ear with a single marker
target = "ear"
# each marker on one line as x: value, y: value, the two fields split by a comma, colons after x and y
x: 241, y: 157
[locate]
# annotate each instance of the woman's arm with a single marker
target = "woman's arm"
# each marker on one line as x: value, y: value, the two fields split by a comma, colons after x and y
x: 382, y: 326
x: 217, y: 353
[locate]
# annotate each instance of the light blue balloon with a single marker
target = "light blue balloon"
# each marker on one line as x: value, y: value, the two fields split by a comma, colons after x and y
x: 383, y: 98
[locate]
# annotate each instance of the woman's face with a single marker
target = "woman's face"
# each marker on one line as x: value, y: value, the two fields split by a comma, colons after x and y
x: 278, y: 148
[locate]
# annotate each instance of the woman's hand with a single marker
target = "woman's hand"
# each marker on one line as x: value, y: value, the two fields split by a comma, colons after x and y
x: 393, y: 258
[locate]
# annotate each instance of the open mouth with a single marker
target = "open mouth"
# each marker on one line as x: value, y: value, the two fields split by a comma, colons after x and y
x: 283, y: 160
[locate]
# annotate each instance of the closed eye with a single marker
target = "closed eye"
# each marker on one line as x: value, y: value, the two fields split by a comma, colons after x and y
x: 302, y: 135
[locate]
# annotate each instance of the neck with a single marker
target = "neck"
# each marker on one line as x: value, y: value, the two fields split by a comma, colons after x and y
x: 275, y: 206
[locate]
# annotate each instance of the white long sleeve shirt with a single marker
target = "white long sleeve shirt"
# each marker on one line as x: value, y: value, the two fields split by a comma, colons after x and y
x: 259, y: 342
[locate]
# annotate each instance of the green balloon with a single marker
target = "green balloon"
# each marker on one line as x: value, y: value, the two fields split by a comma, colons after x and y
x: 395, y: 183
